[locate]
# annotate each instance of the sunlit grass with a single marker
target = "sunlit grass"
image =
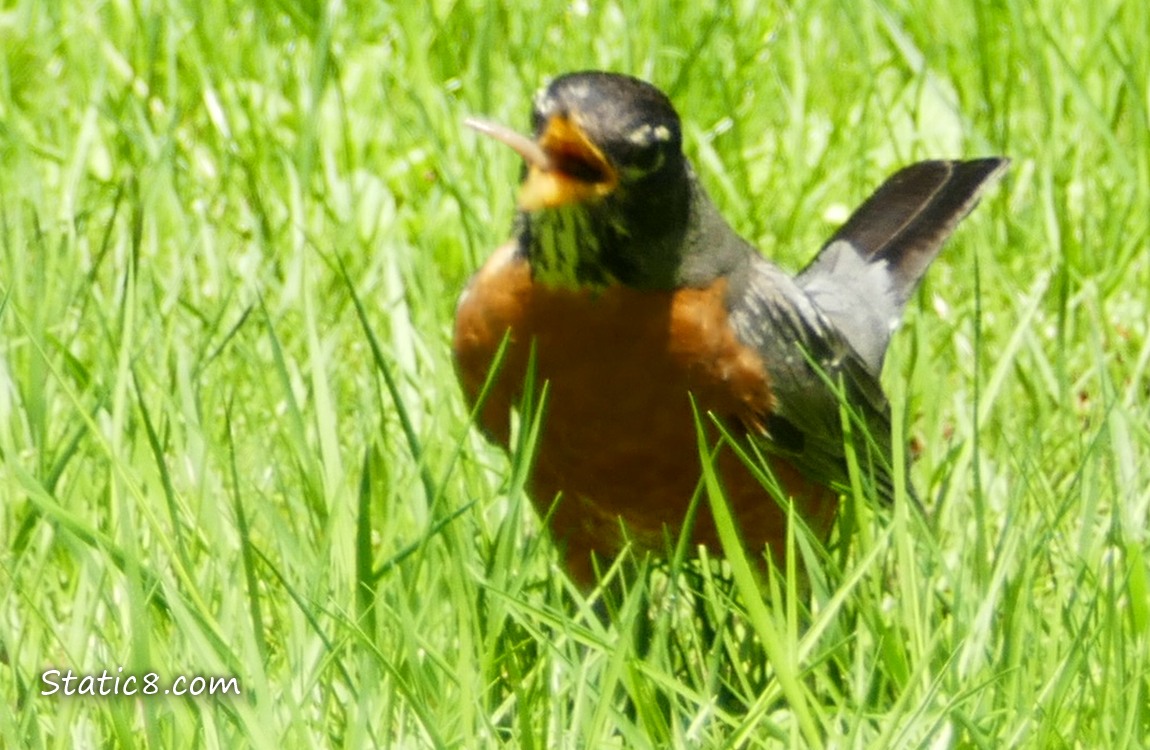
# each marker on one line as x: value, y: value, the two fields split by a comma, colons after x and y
x: 231, y: 442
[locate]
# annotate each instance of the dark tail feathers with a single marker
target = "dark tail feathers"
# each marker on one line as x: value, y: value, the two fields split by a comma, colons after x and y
x: 863, y: 276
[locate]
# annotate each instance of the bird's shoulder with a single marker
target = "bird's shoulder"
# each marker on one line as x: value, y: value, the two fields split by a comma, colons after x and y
x: 813, y: 374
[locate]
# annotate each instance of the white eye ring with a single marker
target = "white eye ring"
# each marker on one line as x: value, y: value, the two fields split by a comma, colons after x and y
x: 641, y: 135
x: 645, y: 134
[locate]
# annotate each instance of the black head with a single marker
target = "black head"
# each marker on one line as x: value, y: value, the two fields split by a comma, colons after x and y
x: 629, y: 122
x: 606, y: 189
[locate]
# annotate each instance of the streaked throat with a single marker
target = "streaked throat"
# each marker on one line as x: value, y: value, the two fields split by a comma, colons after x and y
x: 567, y: 245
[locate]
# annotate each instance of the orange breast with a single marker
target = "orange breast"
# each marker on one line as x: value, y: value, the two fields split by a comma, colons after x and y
x: 618, y: 437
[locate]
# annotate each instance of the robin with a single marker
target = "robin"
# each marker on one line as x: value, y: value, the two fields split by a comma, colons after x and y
x: 631, y: 295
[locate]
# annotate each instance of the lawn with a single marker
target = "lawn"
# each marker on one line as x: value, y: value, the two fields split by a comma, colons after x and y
x: 232, y: 444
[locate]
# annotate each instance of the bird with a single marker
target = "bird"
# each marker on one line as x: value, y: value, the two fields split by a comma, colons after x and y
x: 625, y: 291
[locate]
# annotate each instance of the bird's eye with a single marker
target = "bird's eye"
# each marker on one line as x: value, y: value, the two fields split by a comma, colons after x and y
x: 644, y: 160
x: 645, y: 146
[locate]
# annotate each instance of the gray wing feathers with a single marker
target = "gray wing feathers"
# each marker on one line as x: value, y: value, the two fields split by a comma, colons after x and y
x: 824, y: 333
x: 808, y: 359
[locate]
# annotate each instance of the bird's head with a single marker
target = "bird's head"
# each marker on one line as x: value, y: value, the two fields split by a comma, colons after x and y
x: 606, y: 191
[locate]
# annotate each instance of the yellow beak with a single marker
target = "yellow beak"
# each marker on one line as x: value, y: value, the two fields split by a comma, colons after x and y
x: 563, y: 167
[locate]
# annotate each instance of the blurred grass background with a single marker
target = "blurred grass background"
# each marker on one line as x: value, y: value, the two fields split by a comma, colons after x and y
x: 213, y: 463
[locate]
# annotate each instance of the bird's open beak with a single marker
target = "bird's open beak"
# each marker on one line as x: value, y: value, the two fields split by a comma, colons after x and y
x: 563, y: 166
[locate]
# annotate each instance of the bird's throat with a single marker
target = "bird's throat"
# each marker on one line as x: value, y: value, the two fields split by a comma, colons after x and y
x: 566, y: 247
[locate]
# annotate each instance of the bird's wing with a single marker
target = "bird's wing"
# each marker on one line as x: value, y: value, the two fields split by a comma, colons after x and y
x: 823, y: 334
x: 814, y: 373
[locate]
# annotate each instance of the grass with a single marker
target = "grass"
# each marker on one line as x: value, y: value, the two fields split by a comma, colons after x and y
x: 231, y: 443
